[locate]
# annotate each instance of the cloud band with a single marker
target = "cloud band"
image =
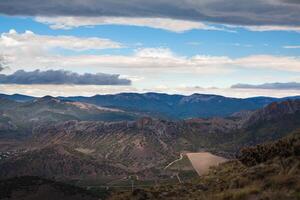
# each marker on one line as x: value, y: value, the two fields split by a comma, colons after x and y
x: 255, y: 12
x: 62, y: 77
x: 277, y: 86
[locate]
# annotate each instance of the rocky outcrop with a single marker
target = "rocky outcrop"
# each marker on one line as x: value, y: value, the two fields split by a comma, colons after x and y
x: 273, y: 111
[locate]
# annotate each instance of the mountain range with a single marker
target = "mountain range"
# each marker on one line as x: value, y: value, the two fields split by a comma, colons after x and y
x: 172, y: 107
x: 18, y: 118
x: 68, y: 140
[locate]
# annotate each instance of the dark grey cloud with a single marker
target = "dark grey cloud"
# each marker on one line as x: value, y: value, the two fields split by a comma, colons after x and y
x: 276, y: 86
x: 239, y: 12
x: 62, y: 77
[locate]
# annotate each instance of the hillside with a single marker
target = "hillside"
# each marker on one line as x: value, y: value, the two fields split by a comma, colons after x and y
x: 171, y: 107
x: 275, y: 174
x: 144, y: 146
x: 35, y: 188
x: 271, y: 122
x: 17, y: 119
x: 178, y: 106
x: 17, y: 97
x: 60, y: 162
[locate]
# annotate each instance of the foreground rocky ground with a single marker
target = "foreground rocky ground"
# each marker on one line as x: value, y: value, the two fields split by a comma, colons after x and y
x: 265, y: 172
x: 35, y: 188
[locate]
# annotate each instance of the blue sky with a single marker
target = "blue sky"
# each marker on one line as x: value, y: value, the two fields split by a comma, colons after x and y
x: 217, y: 43
x: 155, y: 51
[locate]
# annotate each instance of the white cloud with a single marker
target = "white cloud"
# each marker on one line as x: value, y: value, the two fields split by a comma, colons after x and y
x: 24, y: 51
x: 273, y: 28
x: 228, y: 92
x: 149, y: 66
x: 292, y: 47
x: 154, y: 53
x: 64, y: 90
x: 282, y: 63
x: 29, y: 40
x: 75, y: 90
x: 168, y: 24
x: 264, y: 28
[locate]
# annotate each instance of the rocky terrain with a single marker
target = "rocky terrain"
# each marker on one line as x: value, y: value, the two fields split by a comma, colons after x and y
x: 80, y: 150
x: 60, y: 162
x: 269, y: 171
x: 35, y: 188
x: 17, y: 119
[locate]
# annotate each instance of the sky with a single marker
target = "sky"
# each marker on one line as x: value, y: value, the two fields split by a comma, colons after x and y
x: 232, y: 48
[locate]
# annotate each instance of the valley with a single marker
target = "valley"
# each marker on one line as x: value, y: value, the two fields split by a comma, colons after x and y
x: 97, y: 147
x: 149, y: 100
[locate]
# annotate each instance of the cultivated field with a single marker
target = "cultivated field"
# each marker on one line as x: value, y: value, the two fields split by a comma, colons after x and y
x: 203, y: 161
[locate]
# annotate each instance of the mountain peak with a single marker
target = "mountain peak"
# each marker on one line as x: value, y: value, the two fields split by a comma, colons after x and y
x: 48, y: 99
x: 274, y: 110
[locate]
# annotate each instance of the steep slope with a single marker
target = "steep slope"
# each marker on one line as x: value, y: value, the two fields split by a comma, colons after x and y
x: 272, y: 122
x: 35, y: 188
x: 47, y: 106
x: 275, y: 174
x: 283, y: 148
x: 60, y: 162
x: 143, y: 147
x: 18, y: 118
x: 273, y: 111
x: 137, y: 145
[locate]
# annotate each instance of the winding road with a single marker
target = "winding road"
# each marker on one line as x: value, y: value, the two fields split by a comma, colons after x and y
x: 171, y: 163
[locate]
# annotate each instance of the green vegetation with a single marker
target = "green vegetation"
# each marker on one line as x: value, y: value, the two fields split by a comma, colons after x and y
x: 31, y: 187
x: 272, y: 176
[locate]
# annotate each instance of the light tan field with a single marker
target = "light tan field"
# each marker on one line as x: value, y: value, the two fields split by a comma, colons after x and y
x: 203, y: 161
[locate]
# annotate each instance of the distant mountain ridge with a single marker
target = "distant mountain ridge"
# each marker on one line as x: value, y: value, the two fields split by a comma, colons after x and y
x: 18, y: 118
x: 179, y: 106
x: 17, y: 97
x: 170, y: 106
